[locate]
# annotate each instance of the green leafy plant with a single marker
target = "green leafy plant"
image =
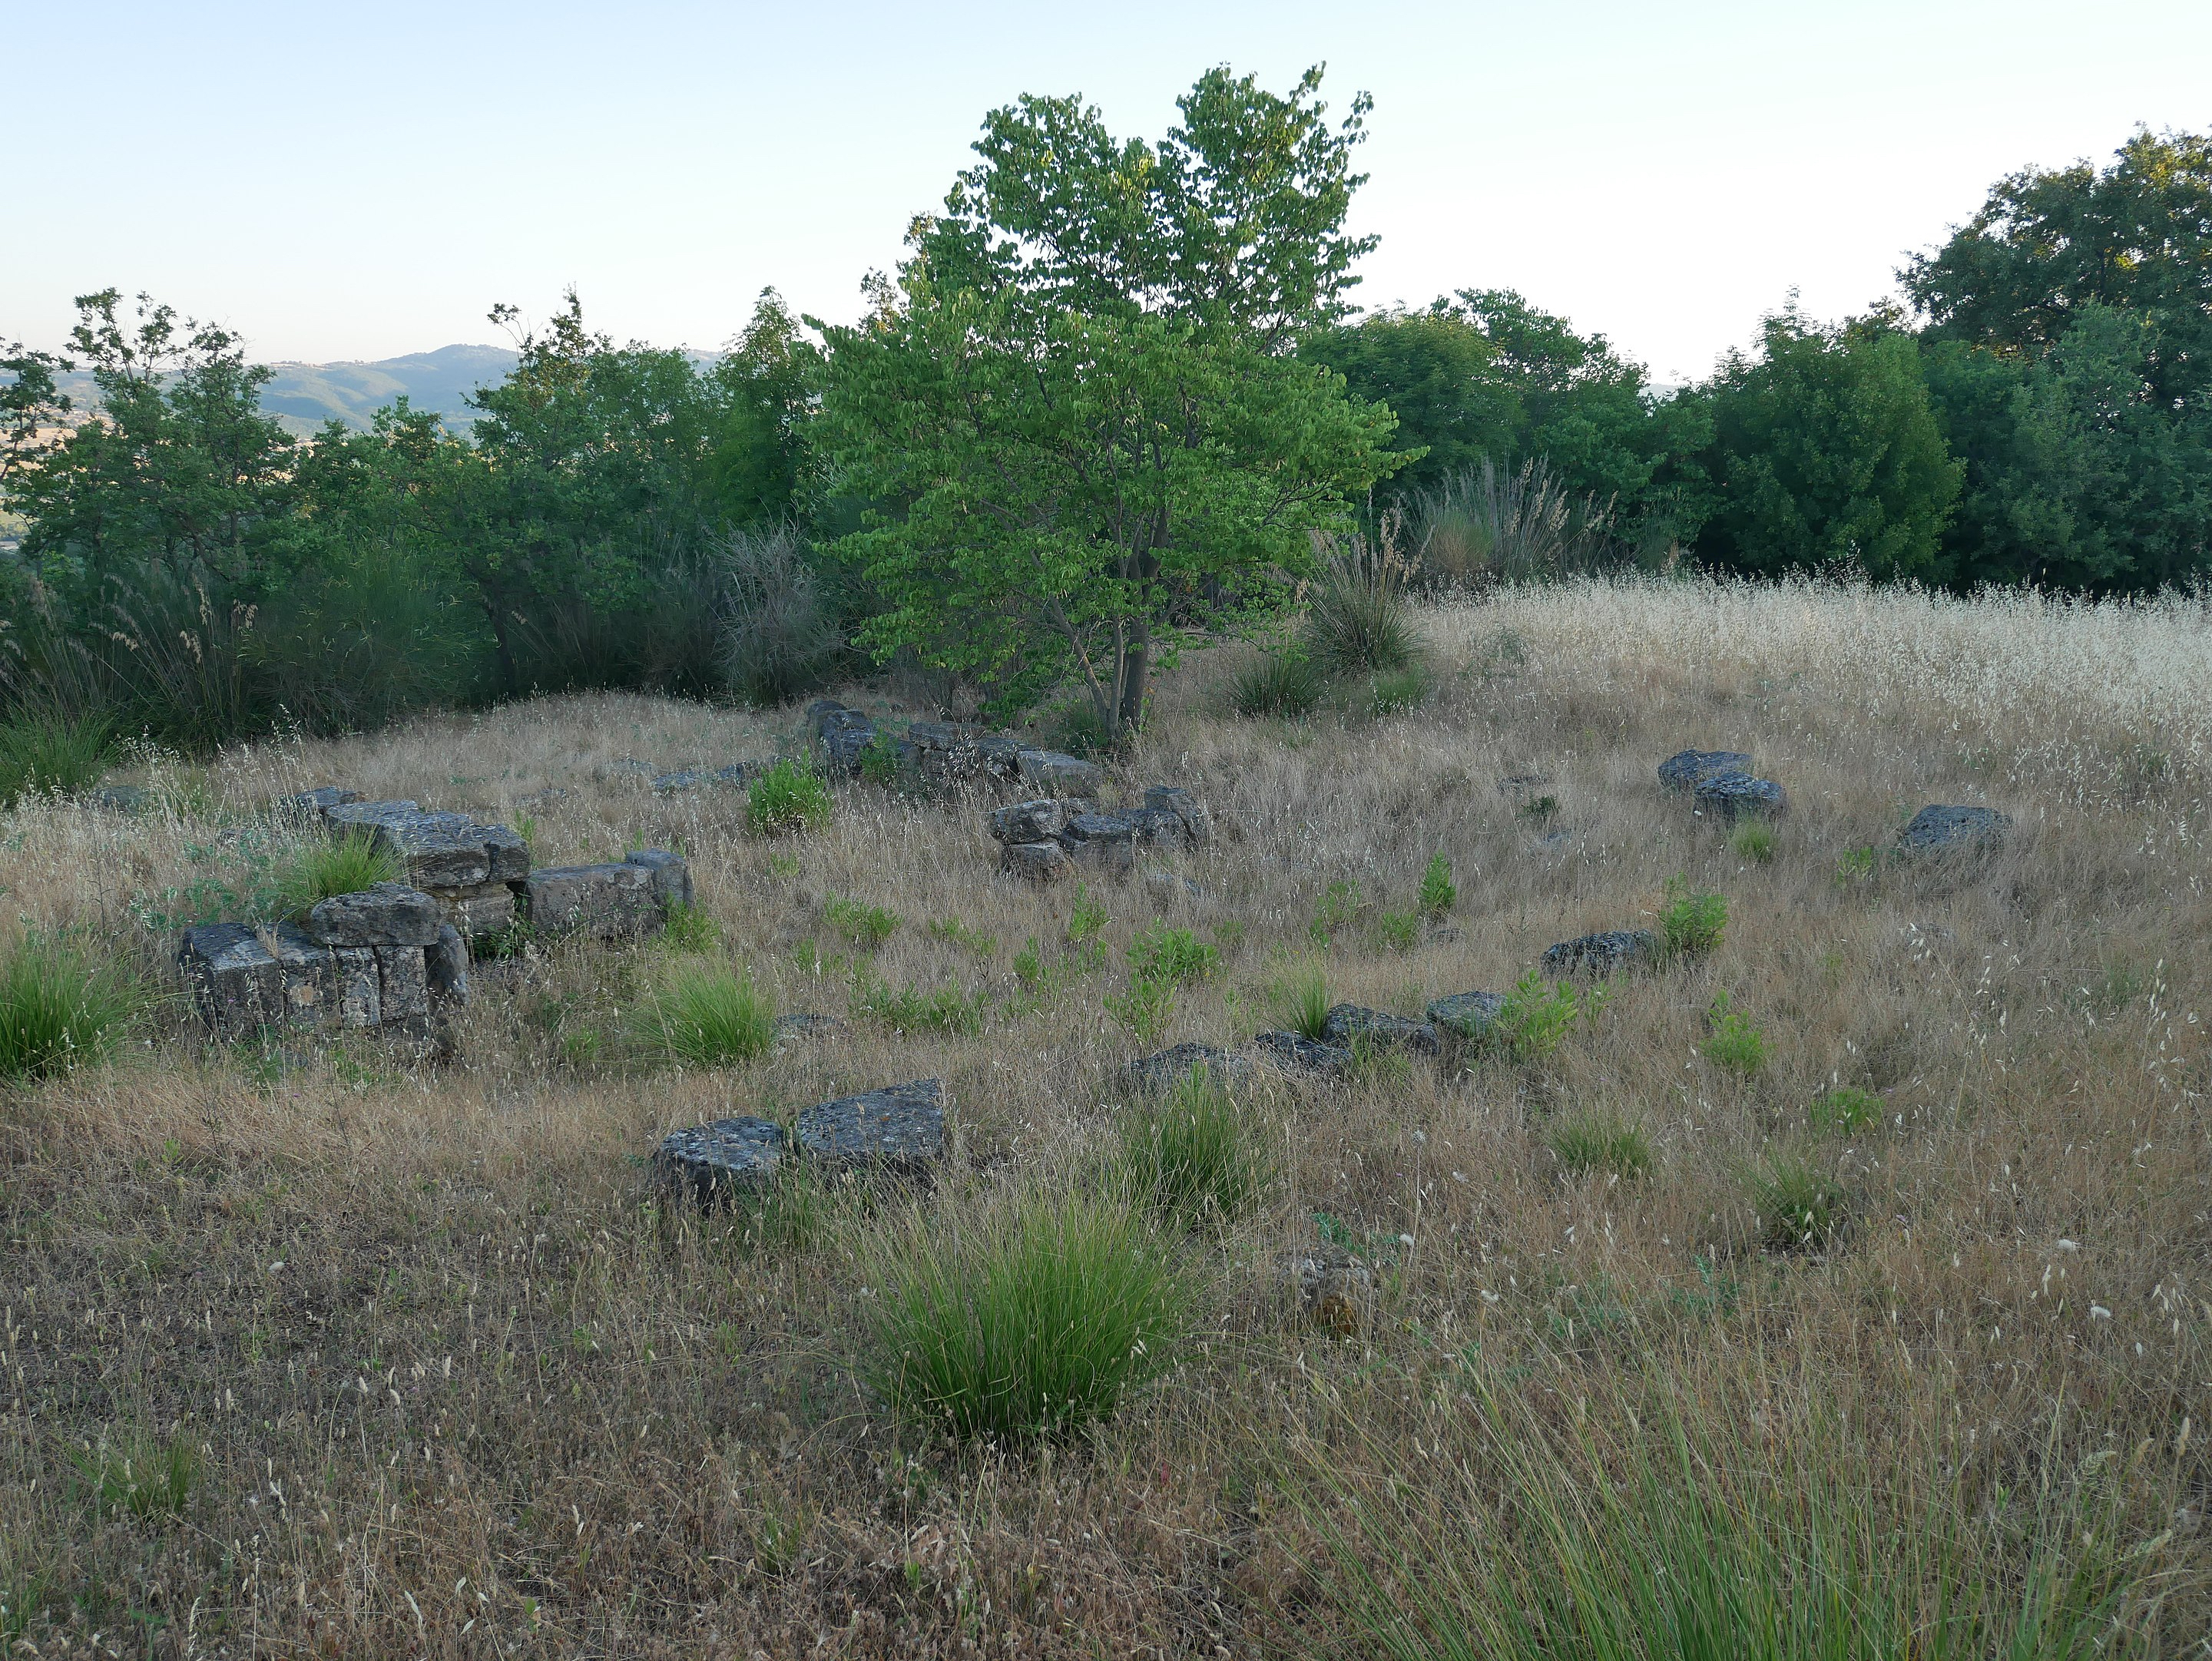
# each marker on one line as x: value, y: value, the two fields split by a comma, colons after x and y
x: 1733, y: 1040
x: 1306, y: 1003
x: 1145, y: 1009
x: 1044, y: 1312
x: 1600, y: 1141
x: 1438, y: 893
x: 322, y: 871
x: 581, y: 1047
x: 1160, y: 953
x: 707, y: 1017
x: 1193, y: 1155
x: 1283, y: 683
x: 789, y: 797
x: 1400, y: 691
x: 1753, y: 840
x: 1690, y: 924
x: 865, y: 925
x: 1846, y: 1110
x: 879, y: 760
x: 50, y: 753
x: 1397, y: 932
x: 1536, y: 1018
x: 58, y: 1007
x: 1540, y: 807
x: 947, y: 1009
x: 954, y: 932
x: 142, y: 1478
x: 1341, y: 903
x: 1798, y: 1207
x: 688, y: 929
x: 1856, y: 865
x: 1087, y: 917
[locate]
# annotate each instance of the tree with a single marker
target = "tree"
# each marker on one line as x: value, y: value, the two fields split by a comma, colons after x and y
x: 1826, y: 451
x: 1077, y: 413
x: 760, y: 464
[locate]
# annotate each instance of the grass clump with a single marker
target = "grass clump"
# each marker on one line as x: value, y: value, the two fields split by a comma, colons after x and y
x: 1799, y: 1208
x: 1397, y: 932
x: 1306, y: 1004
x: 1283, y: 683
x: 947, y: 1009
x: 1340, y: 902
x: 789, y: 797
x: 1600, y: 1142
x: 1690, y: 924
x: 322, y: 871
x: 57, y: 1008
x: 1438, y: 893
x: 1160, y: 953
x: 1536, y: 1017
x: 1401, y: 692
x: 688, y: 929
x: 1043, y: 1313
x: 50, y: 753
x: 142, y: 1478
x: 1145, y: 1009
x: 710, y: 1017
x: 1753, y: 840
x: 1846, y: 1110
x: 1194, y: 1156
x: 1733, y: 1040
x: 863, y: 924
x: 1358, y: 622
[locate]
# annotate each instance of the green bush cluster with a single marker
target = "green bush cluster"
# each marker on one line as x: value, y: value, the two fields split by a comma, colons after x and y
x: 706, y: 1016
x: 789, y: 797
x: 59, y: 1007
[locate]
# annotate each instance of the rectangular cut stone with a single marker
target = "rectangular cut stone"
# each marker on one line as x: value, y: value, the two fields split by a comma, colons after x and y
x: 310, y: 976
x: 477, y: 912
x: 446, y: 966
x: 508, y: 853
x: 437, y: 858
x: 387, y: 914
x: 311, y: 807
x: 237, y: 984
x: 365, y: 816
x: 671, y: 875
x: 606, y: 901
x: 359, y: 1003
x: 403, y: 983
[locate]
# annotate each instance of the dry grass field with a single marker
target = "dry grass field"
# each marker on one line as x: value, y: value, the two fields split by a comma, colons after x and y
x: 424, y: 1364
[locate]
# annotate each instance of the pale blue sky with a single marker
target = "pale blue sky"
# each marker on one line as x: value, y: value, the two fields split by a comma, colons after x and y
x: 352, y: 182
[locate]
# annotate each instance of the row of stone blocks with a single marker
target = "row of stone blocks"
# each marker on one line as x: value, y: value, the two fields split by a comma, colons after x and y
x: 1048, y: 837
x: 898, y: 1131
x: 384, y: 957
x: 940, y: 753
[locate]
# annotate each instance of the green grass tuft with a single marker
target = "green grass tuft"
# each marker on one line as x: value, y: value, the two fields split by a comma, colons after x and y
x: 1690, y: 924
x: 688, y: 929
x: 1439, y: 894
x: 789, y: 797
x: 1306, y: 1004
x: 1753, y: 840
x: 707, y: 1017
x: 1846, y: 1110
x: 50, y: 753
x: 863, y: 924
x: 59, y: 1008
x: 1733, y: 1040
x: 1160, y: 953
x: 1600, y: 1142
x: 142, y: 1478
x: 1798, y: 1207
x: 947, y: 1009
x: 1194, y: 1156
x: 322, y: 871
x: 1536, y: 1018
x: 1145, y: 1009
x: 1283, y: 683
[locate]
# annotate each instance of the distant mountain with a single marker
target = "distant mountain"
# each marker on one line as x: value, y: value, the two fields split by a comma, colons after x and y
x: 303, y: 395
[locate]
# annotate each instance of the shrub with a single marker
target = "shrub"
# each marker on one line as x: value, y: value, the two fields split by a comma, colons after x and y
x: 1753, y: 840
x: 1193, y: 1156
x: 1797, y: 1206
x: 57, y: 1008
x: 1439, y: 894
x: 879, y: 760
x: 1306, y: 1004
x: 789, y: 797
x: 1596, y: 1141
x: 1398, y: 693
x: 1690, y: 924
x: 953, y: 932
x: 1340, y: 902
x: 1284, y: 683
x: 50, y: 753
x: 1733, y: 1040
x: 1480, y: 527
x: 323, y: 870
x: 1854, y: 865
x: 580, y: 1048
x: 1145, y: 1009
x: 1357, y: 618
x: 688, y: 929
x: 144, y: 1478
x: 1086, y: 918
x: 779, y: 632
x: 947, y: 1009
x: 1160, y: 953
x: 863, y: 924
x: 1042, y: 1314
x: 1397, y: 932
x: 1846, y: 1110
x: 1536, y: 1018
x: 710, y: 1017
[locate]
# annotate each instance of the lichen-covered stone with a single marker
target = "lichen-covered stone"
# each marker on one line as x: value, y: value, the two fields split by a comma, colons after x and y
x: 1060, y: 774
x: 479, y: 913
x: 1468, y: 1014
x: 1031, y: 821
x: 403, y: 983
x: 1170, y: 1067
x: 1736, y: 795
x: 310, y: 807
x: 731, y: 1155
x: 837, y: 734
x: 388, y: 914
x: 1190, y: 813
x: 508, y: 853
x: 359, y: 1002
x: 1686, y: 770
x: 310, y: 975
x: 1937, y: 827
x: 1331, y: 1290
x: 1035, y: 862
x: 1294, y: 1052
x: 1000, y: 757
x: 1347, y: 1024
x: 445, y: 965
x: 899, y: 1130
x: 129, y: 800
x: 237, y: 985
x: 604, y: 901
x: 1603, y: 953
x: 671, y: 875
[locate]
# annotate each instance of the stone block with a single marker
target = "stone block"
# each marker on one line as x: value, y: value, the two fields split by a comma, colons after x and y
x: 1737, y: 795
x: 1170, y: 1067
x: 1294, y: 1052
x: 237, y: 984
x: 1604, y: 954
x: 671, y: 875
x: 365, y: 816
x: 1035, y: 862
x: 1469, y: 1014
x: 604, y: 901
x: 479, y: 913
x: 359, y: 1003
x: 1347, y: 1024
x: 312, y: 807
x: 445, y: 965
x: 898, y: 1130
x: 1058, y: 774
x: 1190, y: 813
x: 508, y: 853
x: 388, y: 914
x: 1937, y: 827
x: 837, y: 734
x: 403, y: 983
x: 1687, y: 768
x: 730, y: 1155
x: 1031, y: 822
x: 1000, y: 757
x: 310, y: 975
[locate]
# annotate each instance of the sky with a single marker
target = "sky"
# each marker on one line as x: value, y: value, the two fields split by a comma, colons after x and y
x: 360, y: 182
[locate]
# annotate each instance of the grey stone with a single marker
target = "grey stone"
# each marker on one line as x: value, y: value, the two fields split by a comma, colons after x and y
x: 1165, y: 885
x: 388, y: 914
x: 1523, y: 784
x: 1686, y: 769
x: 446, y: 967
x: 358, y: 1003
x: 800, y: 1024
x: 727, y: 1156
x: 1735, y: 795
x: 508, y: 853
x: 1332, y: 1290
x: 837, y: 734
x: 130, y: 800
x: 898, y: 1129
x: 1030, y: 822
x: 1294, y: 1052
x: 1000, y: 757
x: 437, y: 856
x: 1190, y: 813
x: 236, y: 984
x: 604, y: 901
x: 479, y: 913
x: 1170, y: 1067
x: 629, y: 764
x: 403, y: 983
x: 1468, y: 1014
x: 1096, y: 827
x: 671, y: 875
x: 1035, y: 862
x: 312, y: 807
x: 1935, y: 828
x: 311, y: 984
x: 366, y: 815
x: 943, y: 735
x: 1347, y: 1024
x: 1602, y: 953
x: 1060, y: 773
x: 1556, y: 841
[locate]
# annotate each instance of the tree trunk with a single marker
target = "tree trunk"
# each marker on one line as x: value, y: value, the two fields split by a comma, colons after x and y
x: 1133, y: 678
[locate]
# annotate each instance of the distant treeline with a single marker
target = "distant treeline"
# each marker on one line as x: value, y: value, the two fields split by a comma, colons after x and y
x: 1088, y: 421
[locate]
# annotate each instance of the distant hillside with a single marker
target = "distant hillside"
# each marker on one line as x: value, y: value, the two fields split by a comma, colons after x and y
x: 303, y: 395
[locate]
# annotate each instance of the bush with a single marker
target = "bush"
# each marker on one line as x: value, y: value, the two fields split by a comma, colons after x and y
x: 1145, y: 1009
x: 1284, y: 683
x: 1357, y: 619
x: 1193, y: 1156
x: 863, y: 924
x: 1306, y: 1004
x: 1593, y: 1142
x: 954, y: 932
x: 50, y: 752
x: 58, y: 1007
x: 1160, y: 953
x: 710, y: 1017
x: 1043, y: 1313
x: 688, y: 929
x: 1797, y: 1206
x: 1536, y: 1018
x: 779, y: 634
x: 321, y: 870
x: 1397, y: 932
x: 1439, y: 894
x: 1690, y: 924
x: 1846, y: 1110
x: 1753, y: 840
x: 1733, y: 1040
x: 789, y: 797
x: 1086, y: 917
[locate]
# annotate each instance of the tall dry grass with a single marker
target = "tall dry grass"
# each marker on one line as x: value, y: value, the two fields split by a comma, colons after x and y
x: 463, y: 1382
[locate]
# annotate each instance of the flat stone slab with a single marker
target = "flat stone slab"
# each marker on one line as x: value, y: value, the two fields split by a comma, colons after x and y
x: 388, y: 914
x: 236, y: 983
x: 1191, y: 816
x: 838, y: 734
x: 1294, y: 1052
x: 312, y: 807
x: 1603, y: 953
x: 1936, y: 828
x: 730, y: 1155
x: 604, y: 901
x: 1170, y: 1067
x: 671, y: 875
x: 1687, y: 768
x: 1060, y: 773
x: 1347, y: 1024
x: 1096, y: 827
x: 1031, y: 821
x: 446, y: 966
x: 1035, y: 862
x: 899, y: 1129
x: 1736, y: 795
x: 1468, y: 1014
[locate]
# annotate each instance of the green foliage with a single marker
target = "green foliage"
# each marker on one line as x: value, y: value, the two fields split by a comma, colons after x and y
x: 1043, y: 1313
x: 1846, y: 1110
x: 1600, y: 1141
x: 1798, y: 1207
x: 1438, y: 893
x: 1160, y: 953
x: 1753, y: 840
x: 1536, y: 1018
x: 1357, y: 619
x: 580, y: 1047
x: 58, y: 1007
x: 863, y: 924
x: 688, y: 929
x: 789, y: 797
x: 947, y: 1009
x: 1086, y: 918
x: 1733, y: 1040
x: 1284, y: 683
x: 48, y: 751
x: 1306, y: 1003
x: 707, y: 1017
x: 1193, y: 1156
x: 953, y: 932
x: 1400, y: 691
x: 1690, y: 924
x: 346, y: 864
x: 1145, y: 1009
x: 141, y: 1478
x: 1856, y: 865
x: 1342, y: 902
x: 1397, y: 932
x: 879, y: 760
